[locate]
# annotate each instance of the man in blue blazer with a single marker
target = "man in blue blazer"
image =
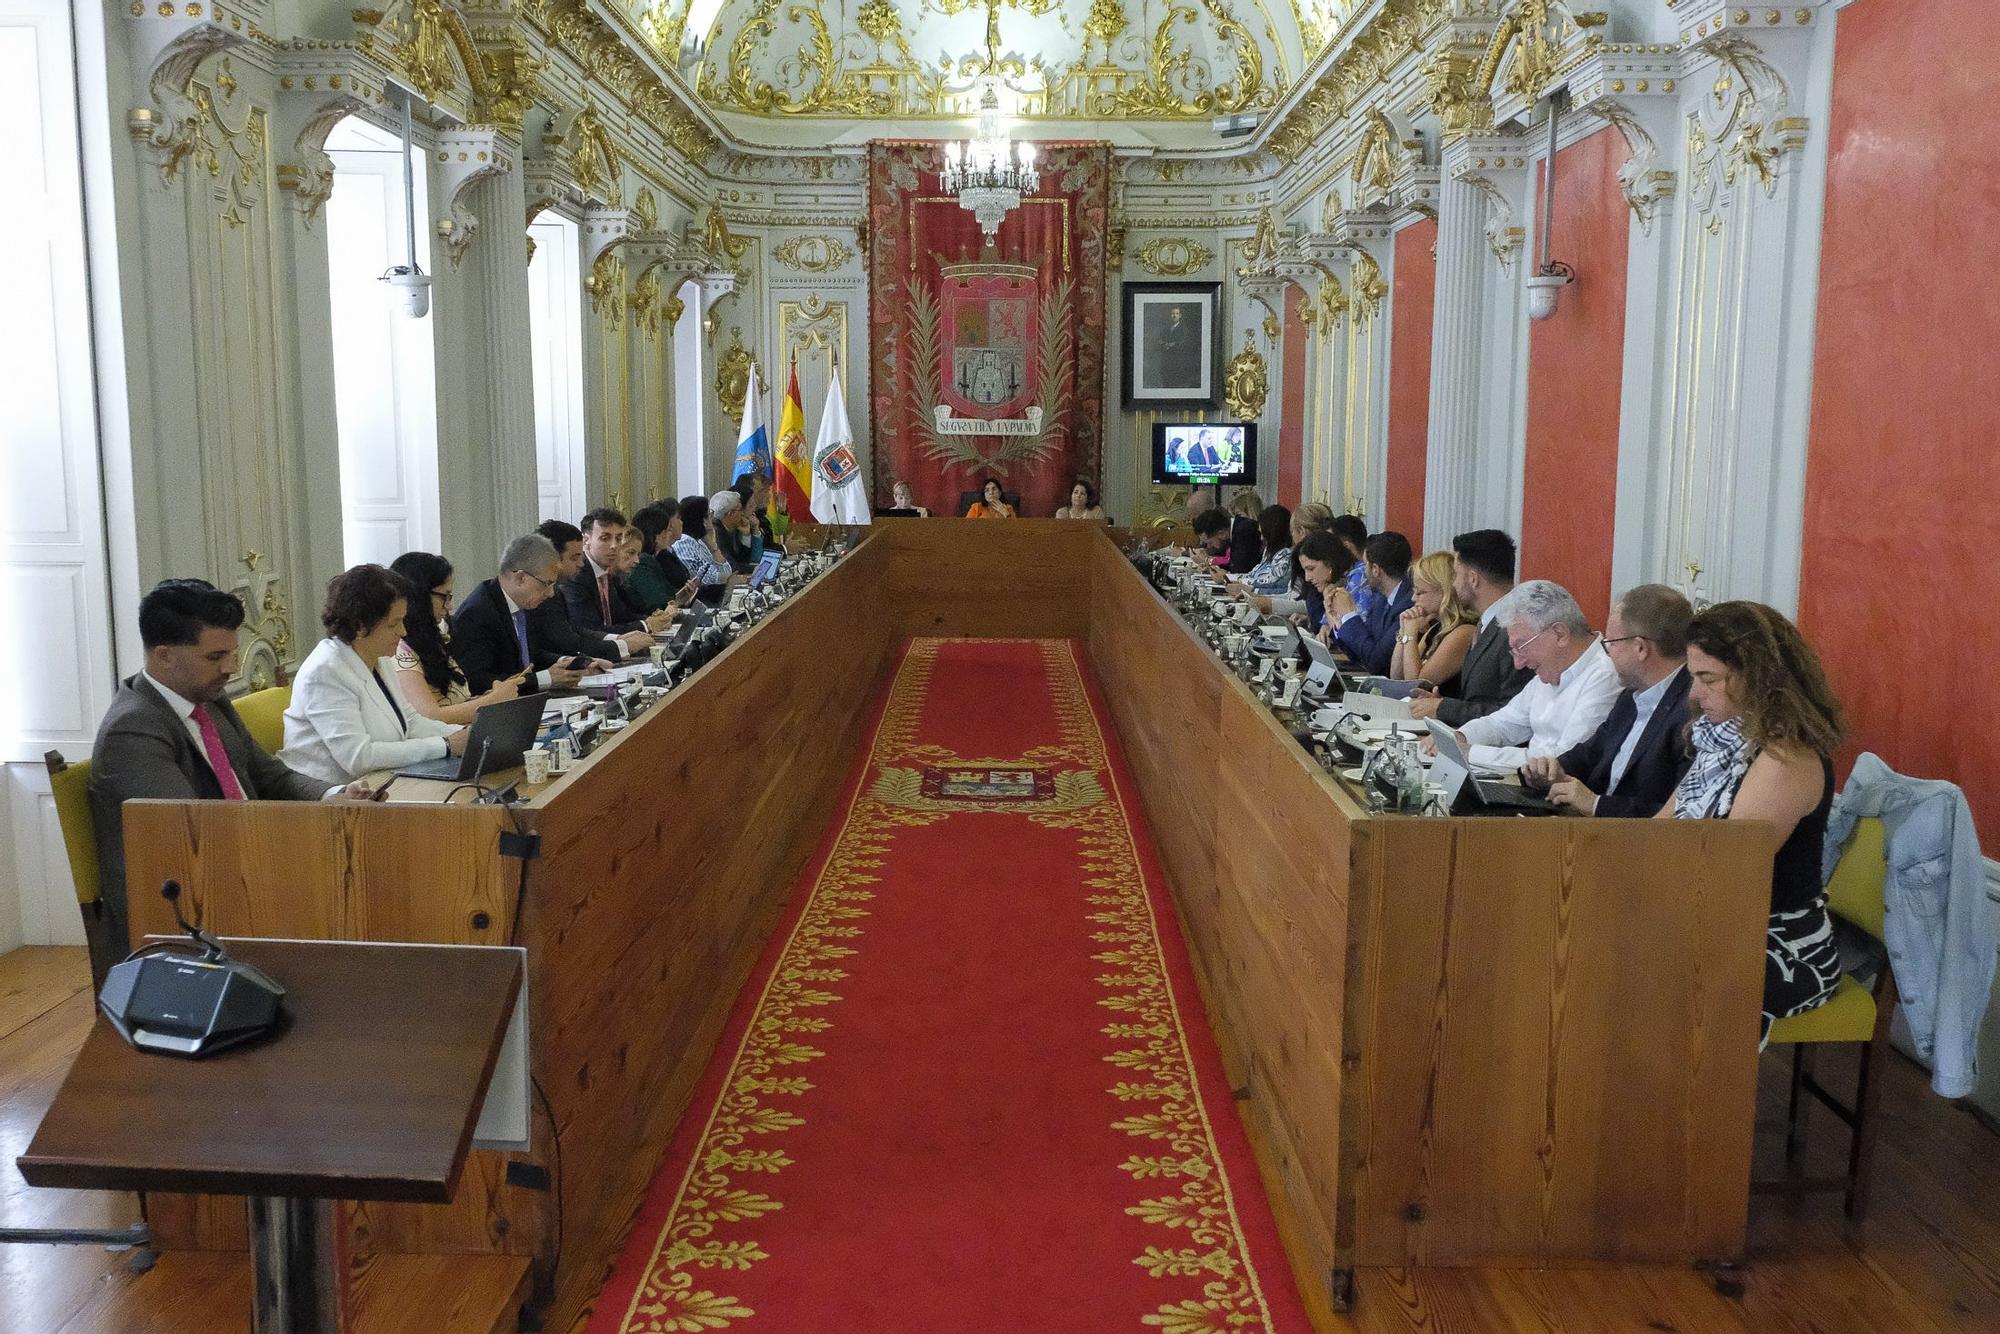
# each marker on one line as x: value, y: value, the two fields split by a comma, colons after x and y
x: 1370, y: 636
x: 1631, y: 765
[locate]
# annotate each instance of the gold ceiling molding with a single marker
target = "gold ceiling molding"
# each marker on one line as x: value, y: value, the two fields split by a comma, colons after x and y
x: 1398, y: 29
x: 1057, y: 59
x: 571, y: 27
x: 592, y: 159
x: 1173, y: 256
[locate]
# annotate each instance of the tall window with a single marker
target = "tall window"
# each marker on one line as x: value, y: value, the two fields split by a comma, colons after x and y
x: 384, y: 364
x: 555, y: 330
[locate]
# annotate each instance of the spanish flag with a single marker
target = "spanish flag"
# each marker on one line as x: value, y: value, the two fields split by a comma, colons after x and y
x: 792, y: 475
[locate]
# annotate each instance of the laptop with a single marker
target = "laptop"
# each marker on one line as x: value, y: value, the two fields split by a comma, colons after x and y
x: 1468, y: 794
x: 767, y: 568
x: 501, y: 735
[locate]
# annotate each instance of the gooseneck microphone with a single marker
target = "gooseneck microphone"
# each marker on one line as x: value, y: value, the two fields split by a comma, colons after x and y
x: 211, y: 948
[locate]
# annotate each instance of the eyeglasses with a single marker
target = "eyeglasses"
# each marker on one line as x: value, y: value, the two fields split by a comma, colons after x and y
x: 1518, y: 649
x: 1621, y: 639
x: 548, y: 585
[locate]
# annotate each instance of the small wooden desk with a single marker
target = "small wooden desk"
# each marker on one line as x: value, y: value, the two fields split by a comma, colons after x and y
x: 371, y: 1092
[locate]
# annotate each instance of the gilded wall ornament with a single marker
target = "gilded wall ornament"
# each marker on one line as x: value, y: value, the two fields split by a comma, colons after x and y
x: 592, y: 159
x: 606, y: 285
x: 1271, y: 328
x: 1398, y: 28
x: 1173, y: 257
x: 812, y: 254
x: 732, y: 378
x: 1369, y: 289
x: 646, y: 210
x: 718, y: 241
x: 644, y: 303
x: 1247, y: 382
x: 425, y: 53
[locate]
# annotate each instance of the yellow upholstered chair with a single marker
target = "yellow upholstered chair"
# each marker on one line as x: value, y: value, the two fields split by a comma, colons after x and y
x: 70, y: 785
x: 263, y: 714
x: 1855, y: 1014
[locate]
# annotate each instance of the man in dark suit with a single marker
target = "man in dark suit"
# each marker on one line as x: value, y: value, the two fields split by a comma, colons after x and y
x: 492, y: 634
x: 1482, y: 573
x: 1631, y: 765
x: 172, y: 733
x: 550, y: 625
x: 594, y: 596
x: 1370, y: 636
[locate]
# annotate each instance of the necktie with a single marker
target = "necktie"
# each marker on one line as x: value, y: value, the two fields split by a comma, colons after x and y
x: 604, y: 597
x: 521, y: 634
x: 218, y: 758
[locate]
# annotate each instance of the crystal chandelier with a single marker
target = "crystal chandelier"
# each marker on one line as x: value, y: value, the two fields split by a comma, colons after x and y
x: 988, y: 175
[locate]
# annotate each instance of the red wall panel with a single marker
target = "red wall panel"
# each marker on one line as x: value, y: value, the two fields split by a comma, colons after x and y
x: 1901, y: 520
x: 1414, y: 289
x: 1292, y: 411
x: 1575, y: 370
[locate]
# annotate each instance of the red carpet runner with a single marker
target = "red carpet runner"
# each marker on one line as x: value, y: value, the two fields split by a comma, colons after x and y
x: 970, y: 1086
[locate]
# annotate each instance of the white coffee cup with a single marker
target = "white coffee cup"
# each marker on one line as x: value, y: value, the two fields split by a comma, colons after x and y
x: 536, y: 761
x: 658, y: 653
x: 562, y: 751
x: 1290, y: 691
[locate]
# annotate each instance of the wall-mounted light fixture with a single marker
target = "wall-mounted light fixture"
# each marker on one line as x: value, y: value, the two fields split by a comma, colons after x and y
x: 1552, y: 275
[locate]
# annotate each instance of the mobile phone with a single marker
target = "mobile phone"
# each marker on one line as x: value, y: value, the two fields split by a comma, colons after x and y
x: 383, y: 790
x: 577, y: 663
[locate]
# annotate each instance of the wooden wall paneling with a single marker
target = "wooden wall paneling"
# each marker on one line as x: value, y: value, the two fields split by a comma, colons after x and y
x: 1002, y: 579
x: 1546, y: 1026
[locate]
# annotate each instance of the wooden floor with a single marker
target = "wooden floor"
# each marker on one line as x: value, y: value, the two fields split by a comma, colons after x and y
x: 1928, y: 1258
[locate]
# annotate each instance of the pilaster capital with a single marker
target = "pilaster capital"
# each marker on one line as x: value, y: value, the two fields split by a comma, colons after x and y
x: 464, y: 158
x: 1496, y: 168
x: 1636, y: 89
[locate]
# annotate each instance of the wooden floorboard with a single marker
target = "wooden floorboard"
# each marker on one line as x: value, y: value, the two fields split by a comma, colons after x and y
x: 1927, y: 1259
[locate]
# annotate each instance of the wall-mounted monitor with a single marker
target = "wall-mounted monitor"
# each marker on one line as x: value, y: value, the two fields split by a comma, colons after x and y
x: 1219, y: 452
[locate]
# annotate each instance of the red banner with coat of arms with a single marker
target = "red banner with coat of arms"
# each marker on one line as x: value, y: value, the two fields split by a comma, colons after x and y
x: 987, y: 362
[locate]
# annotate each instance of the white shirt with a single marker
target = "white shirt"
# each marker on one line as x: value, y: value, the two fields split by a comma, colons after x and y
x: 184, y: 709
x: 1547, y: 719
x: 1647, y: 702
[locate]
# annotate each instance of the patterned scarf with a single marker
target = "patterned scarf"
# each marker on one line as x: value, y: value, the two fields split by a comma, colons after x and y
x: 1722, y: 755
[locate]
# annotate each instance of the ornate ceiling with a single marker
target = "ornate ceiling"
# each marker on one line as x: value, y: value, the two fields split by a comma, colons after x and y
x: 1070, y: 60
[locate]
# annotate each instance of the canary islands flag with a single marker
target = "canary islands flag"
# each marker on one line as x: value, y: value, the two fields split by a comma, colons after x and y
x: 753, y: 446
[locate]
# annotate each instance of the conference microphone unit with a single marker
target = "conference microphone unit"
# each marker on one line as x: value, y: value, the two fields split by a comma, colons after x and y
x: 185, y: 1002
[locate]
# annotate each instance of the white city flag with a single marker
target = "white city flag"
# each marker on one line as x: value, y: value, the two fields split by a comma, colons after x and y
x: 838, y: 496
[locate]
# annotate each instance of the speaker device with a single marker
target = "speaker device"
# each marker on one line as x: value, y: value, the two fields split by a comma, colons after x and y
x: 167, y: 998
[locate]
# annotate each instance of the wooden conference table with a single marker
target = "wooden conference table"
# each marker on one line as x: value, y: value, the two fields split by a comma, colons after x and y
x: 1462, y: 1041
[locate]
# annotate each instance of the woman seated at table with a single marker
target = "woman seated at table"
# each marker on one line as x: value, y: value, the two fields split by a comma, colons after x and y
x: 428, y: 676
x: 1246, y: 539
x: 1323, y: 566
x: 1273, y: 574
x: 990, y: 505
x: 698, y: 553
x: 659, y: 578
x: 345, y: 719
x: 1297, y: 598
x: 902, y: 498
x: 1435, y: 634
x: 1766, y: 725
x: 1083, y: 504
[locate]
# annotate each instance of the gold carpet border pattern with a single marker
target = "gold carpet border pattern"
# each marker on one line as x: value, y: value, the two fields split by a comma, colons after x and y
x: 1158, y: 1086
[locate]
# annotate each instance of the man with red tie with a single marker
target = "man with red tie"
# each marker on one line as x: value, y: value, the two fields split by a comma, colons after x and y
x: 172, y: 733
x: 594, y: 596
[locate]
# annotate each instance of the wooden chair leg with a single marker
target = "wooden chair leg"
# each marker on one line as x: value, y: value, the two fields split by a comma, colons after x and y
x: 1868, y: 1101
x: 1795, y: 1128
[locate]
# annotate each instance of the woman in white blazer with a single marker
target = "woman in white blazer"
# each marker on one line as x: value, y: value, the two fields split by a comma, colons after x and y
x: 346, y: 718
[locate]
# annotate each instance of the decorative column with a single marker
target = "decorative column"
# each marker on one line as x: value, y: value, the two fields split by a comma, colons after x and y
x: 500, y: 270
x: 1477, y: 429
x: 1365, y: 239
x: 1712, y: 495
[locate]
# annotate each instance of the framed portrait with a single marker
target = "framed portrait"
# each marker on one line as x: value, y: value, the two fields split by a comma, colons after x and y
x: 1173, y: 345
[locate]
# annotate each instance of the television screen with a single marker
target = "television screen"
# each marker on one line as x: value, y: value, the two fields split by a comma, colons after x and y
x: 1223, y: 452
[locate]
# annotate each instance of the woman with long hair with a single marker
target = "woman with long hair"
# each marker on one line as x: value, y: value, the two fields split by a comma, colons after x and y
x: 428, y: 676
x: 1297, y: 598
x: 1764, y: 729
x: 1435, y: 634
